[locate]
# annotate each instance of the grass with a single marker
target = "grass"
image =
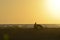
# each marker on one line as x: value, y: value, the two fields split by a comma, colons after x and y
x: 6, y: 37
x: 30, y: 34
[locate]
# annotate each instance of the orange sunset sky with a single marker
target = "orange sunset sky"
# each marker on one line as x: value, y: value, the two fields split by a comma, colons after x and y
x: 29, y: 11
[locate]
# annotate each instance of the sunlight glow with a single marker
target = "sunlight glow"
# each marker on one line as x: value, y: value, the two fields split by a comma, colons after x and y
x: 53, y: 6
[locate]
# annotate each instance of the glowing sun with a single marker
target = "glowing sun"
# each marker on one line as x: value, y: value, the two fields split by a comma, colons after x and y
x: 53, y: 7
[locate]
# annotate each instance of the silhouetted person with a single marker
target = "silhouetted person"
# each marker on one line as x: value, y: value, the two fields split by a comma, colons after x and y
x: 37, y: 26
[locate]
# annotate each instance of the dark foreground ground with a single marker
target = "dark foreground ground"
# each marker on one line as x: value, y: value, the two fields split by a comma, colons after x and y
x: 29, y: 34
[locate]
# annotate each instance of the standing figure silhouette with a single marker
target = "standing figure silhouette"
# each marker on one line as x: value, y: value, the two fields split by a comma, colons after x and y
x: 37, y: 26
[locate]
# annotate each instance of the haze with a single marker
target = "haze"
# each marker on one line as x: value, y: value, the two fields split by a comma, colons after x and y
x: 29, y: 11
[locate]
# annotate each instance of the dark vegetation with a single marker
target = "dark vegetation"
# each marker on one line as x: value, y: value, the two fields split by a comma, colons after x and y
x: 30, y: 34
x: 10, y: 33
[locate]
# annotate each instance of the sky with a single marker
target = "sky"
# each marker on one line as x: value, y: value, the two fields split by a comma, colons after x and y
x: 29, y: 11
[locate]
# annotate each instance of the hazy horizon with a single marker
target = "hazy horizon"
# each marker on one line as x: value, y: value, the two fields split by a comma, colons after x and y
x: 30, y: 25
